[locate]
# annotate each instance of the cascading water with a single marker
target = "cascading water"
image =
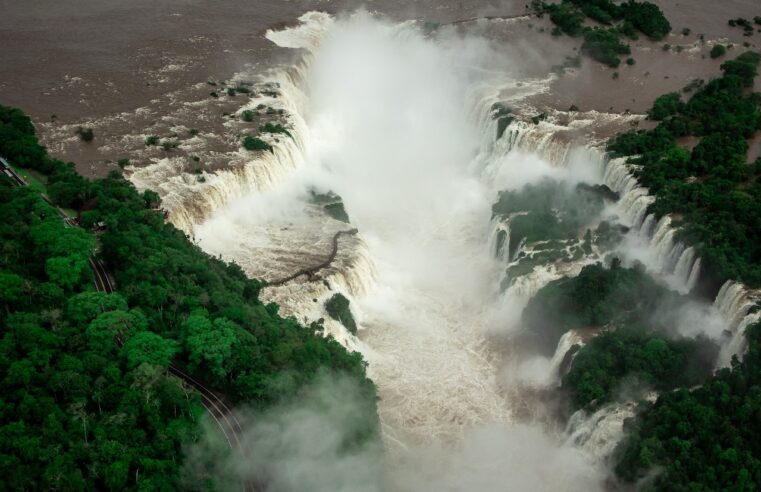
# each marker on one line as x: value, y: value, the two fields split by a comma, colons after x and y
x: 419, y: 333
x: 191, y: 201
x: 423, y: 273
x: 660, y: 250
x: 499, y: 240
x: 422, y: 281
x: 735, y: 304
x: 571, y: 340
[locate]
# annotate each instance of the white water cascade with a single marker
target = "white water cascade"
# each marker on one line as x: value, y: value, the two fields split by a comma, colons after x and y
x: 499, y: 239
x: 191, y: 201
x: 418, y: 274
x: 660, y: 249
x: 568, y: 341
x: 600, y: 432
x: 421, y: 274
x: 734, y: 302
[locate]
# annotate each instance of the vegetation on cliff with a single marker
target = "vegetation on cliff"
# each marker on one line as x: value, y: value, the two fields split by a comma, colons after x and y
x: 713, y: 186
x: 79, y: 411
x: 338, y: 309
x: 597, y: 297
x: 633, y: 359
x: 704, y: 437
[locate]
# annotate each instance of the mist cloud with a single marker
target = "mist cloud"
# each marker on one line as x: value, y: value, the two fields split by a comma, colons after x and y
x: 391, y: 130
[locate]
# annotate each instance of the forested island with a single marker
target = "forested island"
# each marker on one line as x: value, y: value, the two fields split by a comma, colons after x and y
x: 81, y: 411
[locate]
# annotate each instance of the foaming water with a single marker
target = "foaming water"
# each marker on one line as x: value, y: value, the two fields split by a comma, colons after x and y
x: 383, y: 140
x: 394, y: 124
x: 409, y: 143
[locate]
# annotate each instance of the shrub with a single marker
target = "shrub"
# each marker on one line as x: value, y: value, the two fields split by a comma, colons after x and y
x: 646, y: 17
x: 337, y: 211
x: 254, y: 144
x: 151, y: 140
x: 85, y: 134
x: 718, y: 50
x: 567, y: 17
x: 338, y: 309
x: 628, y: 29
x: 632, y: 357
x: 666, y: 105
x: 168, y: 145
x: 274, y: 128
x: 122, y: 163
x: 193, y: 132
x: 248, y: 115
x: 604, y: 46
x: 745, y: 67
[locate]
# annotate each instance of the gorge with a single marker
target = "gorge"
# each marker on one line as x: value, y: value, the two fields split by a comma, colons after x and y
x: 402, y: 125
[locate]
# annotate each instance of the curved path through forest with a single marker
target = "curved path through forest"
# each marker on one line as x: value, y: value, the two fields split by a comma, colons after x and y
x: 224, y: 417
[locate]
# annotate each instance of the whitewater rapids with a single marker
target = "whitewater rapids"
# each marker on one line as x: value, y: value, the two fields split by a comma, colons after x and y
x: 400, y: 126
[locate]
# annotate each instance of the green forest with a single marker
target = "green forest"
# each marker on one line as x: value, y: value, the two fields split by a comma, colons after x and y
x: 79, y: 412
x: 712, y: 186
x: 632, y: 346
x: 704, y: 438
x: 603, y: 24
x: 701, y: 432
x: 597, y: 297
x: 635, y: 360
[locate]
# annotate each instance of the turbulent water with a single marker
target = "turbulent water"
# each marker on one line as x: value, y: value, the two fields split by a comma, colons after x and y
x: 400, y: 125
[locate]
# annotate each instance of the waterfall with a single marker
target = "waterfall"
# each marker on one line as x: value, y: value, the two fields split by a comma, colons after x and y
x: 356, y: 276
x: 648, y: 226
x: 191, y: 201
x: 521, y: 289
x: 679, y: 263
x: 734, y: 302
x: 665, y: 254
x: 499, y: 239
x: 518, y: 249
x: 599, y: 433
x: 635, y: 199
x: 737, y: 343
x: 687, y: 267
x: 692, y: 280
x: 352, y: 274
x: 559, y: 361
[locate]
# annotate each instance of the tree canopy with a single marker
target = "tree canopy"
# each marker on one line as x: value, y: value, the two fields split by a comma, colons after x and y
x: 712, y: 186
x: 81, y: 412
